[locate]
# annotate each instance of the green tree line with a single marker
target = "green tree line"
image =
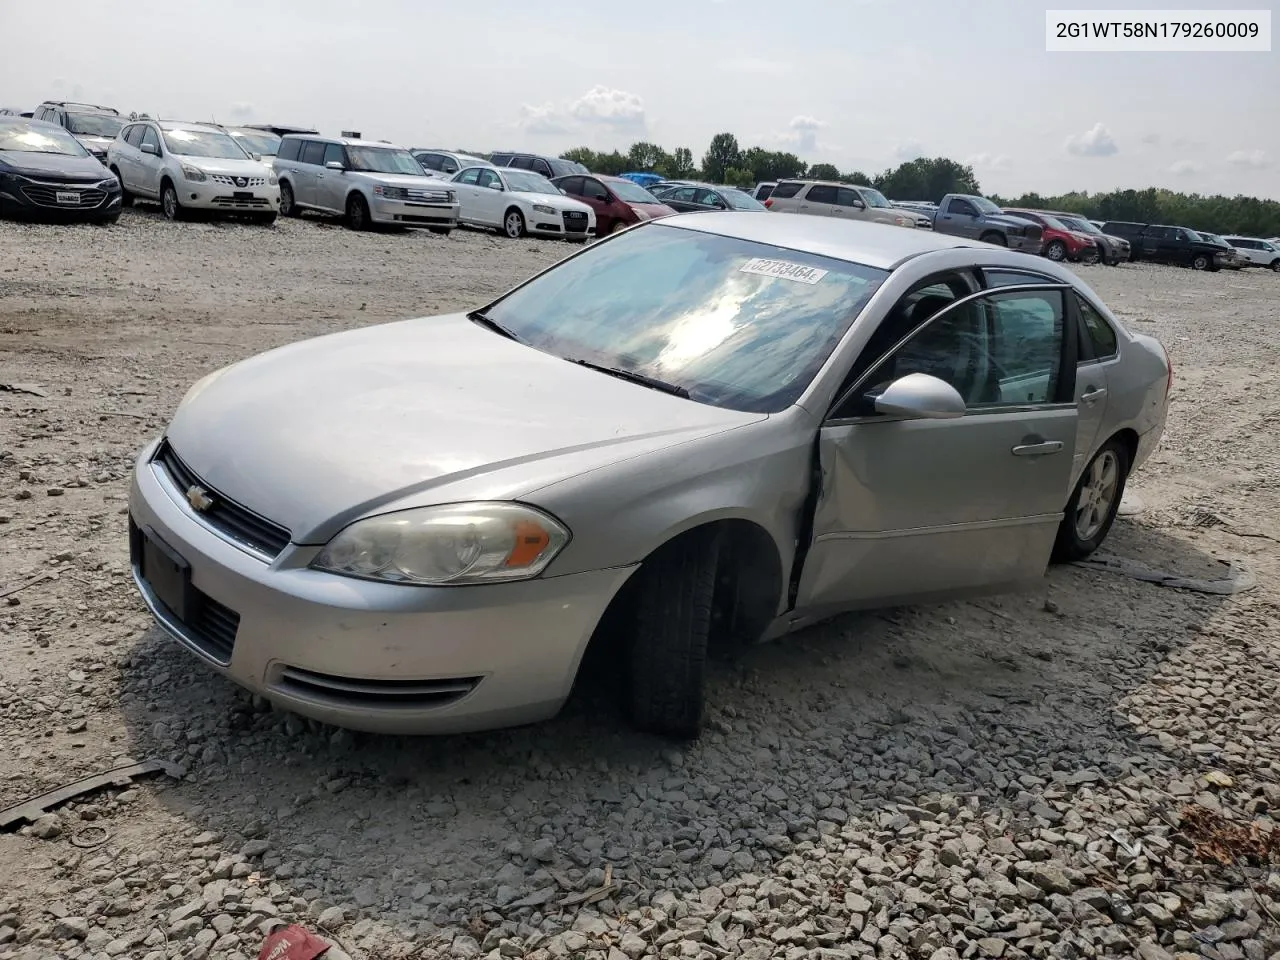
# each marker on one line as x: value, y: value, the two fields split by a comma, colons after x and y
x: 929, y: 178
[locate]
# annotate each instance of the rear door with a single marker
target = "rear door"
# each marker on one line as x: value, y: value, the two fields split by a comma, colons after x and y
x: 595, y: 195
x: 1153, y: 244
x: 923, y: 509
x: 331, y: 185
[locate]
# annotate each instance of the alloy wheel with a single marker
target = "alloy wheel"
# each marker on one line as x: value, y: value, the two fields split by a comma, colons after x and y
x: 1097, y: 495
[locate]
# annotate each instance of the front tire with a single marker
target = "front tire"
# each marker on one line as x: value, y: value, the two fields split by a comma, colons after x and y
x: 668, y: 655
x: 997, y: 238
x: 1093, y: 505
x: 440, y: 231
x: 1056, y: 251
x: 169, y: 202
x: 357, y: 212
x: 513, y: 224
x: 1275, y: 264
x: 288, y: 205
x: 265, y: 219
x: 1200, y: 262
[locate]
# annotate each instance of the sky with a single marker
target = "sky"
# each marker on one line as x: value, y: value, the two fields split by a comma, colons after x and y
x: 863, y: 84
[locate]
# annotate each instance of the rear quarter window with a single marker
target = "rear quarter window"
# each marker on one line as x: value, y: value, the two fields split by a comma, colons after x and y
x: 288, y: 149
x: 785, y: 191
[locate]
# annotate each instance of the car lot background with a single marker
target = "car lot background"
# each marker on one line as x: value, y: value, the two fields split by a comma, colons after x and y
x: 969, y: 746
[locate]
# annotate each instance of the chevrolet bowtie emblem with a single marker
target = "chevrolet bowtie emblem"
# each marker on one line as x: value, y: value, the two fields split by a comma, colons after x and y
x: 199, y: 498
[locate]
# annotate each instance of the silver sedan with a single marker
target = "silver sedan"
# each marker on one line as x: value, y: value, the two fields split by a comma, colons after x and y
x: 710, y: 429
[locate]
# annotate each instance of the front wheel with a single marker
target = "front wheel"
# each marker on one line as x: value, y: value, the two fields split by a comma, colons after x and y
x: 440, y: 231
x: 513, y: 224
x: 1094, y: 504
x: 265, y: 219
x: 357, y: 212
x: 1056, y: 250
x: 288, y: 205
x: 997, y: 238
x: 169, y: 202
x: 1200, y: 262
x: 1275, y: 265
x: 668, y: 655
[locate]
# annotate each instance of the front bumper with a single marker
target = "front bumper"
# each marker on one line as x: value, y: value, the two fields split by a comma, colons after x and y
x: 411, y: 213
x: 28, y: 196
x: 215, y: 195
x: 560, y: 224
x: 383, y: 658
x: 1024, y: 244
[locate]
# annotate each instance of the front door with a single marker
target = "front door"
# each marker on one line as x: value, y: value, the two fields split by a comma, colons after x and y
x: 331, y: 185
x: 597, y: 197
x: 959, y: 218
x: 149, y: 165
x: 819, y: 200
x: 928, y: 509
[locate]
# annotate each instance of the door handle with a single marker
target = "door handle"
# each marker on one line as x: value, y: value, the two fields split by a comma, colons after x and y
x: 1040, y: 449
x: 1093, y: 393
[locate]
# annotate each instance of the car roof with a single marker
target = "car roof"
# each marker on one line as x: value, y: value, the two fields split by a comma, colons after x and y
x: 184, y: 125
x: 345, y: 141
x: 873, y: 244
x: 256, y: 131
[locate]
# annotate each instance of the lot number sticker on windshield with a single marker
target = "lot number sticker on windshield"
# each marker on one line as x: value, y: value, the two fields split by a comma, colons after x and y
x: 783, y: 269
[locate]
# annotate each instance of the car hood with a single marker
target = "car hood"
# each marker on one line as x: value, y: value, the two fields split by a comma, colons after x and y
x: 52, y: 164
x: 93, y: 143
x: 654, y: 210
x: 233, y: 168
x: 560, y: 203
x: 397, y: 179
x: 1011, y: 220
x: 318, y: 433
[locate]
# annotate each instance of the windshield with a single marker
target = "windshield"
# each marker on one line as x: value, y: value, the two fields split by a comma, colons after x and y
x: 874, y: 198
x: 984, y: 205
x: 738, y: 200
x: 266, y: 144
x: 1054, y: 223
x: 738, y: 324
x: 94, y: 124
x: 24, y: 136
x: 632, y: 192
x: 523, y: 181
x: 1081, y: 226
x: 384, y: 160
x: 212, y: 144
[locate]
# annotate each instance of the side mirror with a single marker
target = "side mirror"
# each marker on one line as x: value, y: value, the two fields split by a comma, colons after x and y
x: 859, y: 205
x: 256, y: 156
x: 150, y: 148
x: 920, y: 396
x: 335, y: 165
x: 495, y: 185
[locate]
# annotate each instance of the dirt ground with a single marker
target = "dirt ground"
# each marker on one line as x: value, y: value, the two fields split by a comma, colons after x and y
x: 970, y: 778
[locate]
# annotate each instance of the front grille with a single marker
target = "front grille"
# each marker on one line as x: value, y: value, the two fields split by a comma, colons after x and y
x: 233, y: 521
x: 418, y: 195
x: 574, y: 221
x: 241, y: 182
x: 355, y: 691
x: 242, y: 203
x: 209, y: 625
x: 46, y: 195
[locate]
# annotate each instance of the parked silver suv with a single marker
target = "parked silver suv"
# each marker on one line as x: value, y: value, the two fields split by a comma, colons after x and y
x: 828, y: 199
x: 368, y: 182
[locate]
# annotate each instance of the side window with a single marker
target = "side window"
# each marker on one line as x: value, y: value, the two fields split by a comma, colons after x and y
x: 848, y: 198
x: 487, y: 178
x: 133, y: 136
x: 571, y: 186
x: 447, y: 165
x: 470, y: 175
x: 541, y: 166
x: 594, y: 190
x: 288, y: 149
x: 763, y: 193
x: 709, y: 198
x: 962, y: 208
x: 149, y: 136
x: 785, y: 191
x: 1007, y: 278
x: 334, y: 151
x: 312, y: 152
x: 500, y: 159
x: 1101, y: 334
x: 683, y: 194
x: 821, y: 193
x: 521, y: 163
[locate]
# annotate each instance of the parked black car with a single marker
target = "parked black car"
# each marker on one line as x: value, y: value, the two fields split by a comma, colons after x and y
x: 696, y: 197
x: 1160, y: 243
x: 45, y: 172
x: 549, y: 167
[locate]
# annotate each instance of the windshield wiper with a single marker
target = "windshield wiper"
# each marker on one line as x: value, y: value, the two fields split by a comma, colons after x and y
x: 653, y: 383
x: 479, y: 318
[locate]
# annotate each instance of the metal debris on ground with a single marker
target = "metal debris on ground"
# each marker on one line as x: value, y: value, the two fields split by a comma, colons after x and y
x: 32, y: 809
x: 1237, y: 580
x: 31, y: 388
x: 1222, y: 841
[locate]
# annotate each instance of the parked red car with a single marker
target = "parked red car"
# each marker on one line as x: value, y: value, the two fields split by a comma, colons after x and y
x: 1058, y: 241
x: 618, y: 202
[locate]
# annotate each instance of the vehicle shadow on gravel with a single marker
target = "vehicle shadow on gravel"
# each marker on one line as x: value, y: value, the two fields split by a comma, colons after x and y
x: 983, y: 703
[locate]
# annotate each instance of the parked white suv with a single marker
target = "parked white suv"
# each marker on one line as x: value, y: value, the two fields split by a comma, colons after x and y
x: 191, y: 166
x: 1256, y: 252
x: 367, y: 181
x: 825, y: 198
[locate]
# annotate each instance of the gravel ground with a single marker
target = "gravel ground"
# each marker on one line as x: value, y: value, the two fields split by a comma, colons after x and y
x: 1055, y: 774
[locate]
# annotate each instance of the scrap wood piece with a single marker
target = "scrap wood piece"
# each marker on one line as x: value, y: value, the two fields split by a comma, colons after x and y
x: 1237, y: 580
x: 31, y: 388
x: 31, y: 810
x: 1224, y: 842
x: 29, y: 582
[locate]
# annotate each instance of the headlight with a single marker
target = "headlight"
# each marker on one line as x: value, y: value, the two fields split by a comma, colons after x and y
x: 452, y: 196
x: 193, y: 173
x: 902, y: 221
x: 272, y: 178
x: 543, y: 208
x: 111, y: 183
x: 462, y: 543
x: 641, y: 214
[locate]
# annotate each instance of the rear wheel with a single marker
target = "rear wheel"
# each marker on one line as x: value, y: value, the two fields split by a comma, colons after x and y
x: 1094, y: 503
x: 1056, y: 250
x: 673, y: 623
x: 996, y: 238
x: 357, y: 212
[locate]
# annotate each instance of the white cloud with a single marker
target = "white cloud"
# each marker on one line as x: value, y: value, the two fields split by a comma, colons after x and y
x: 908, y: 150
x: 615, y: 108
x: 801, y: 135
x: 1249, y: 158
x: 1186, y: 168
x: 989, y: 161
x: 545, y: 119
x: 1094, y: 142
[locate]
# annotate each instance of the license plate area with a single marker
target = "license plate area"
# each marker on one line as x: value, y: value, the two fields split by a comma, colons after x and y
x: 166, y: 573
x: 69, y: 198
x: 243, y: 194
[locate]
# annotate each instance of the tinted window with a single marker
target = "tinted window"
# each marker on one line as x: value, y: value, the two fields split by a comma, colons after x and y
x: 848, y: 198
x: 470, y: 175
x: 448, y: 165
x: 594, y: 190
x: 709, y: 198
x: 541, y: 166
x: 133, y: 136
x: 785, y: 191
x: 1006, y: 278
x: 312, y: 152
x: 289, y: 149
x: 333, y: 152
x: 560, y: 168
x: 521, y: 163
x: 500, y: 159
x: 683, y: 194
x: 430, y: 161
x: 571, y: 186
x: 705, y: 312
x: 764, y: 193
x: 962, y: 208
x: 1100, y: 332
x: 821, y: 193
